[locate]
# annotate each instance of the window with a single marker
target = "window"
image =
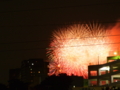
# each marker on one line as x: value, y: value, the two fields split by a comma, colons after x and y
x: 32, y: 63
x: 38, y: 71
x: 93, y: 82
x: 73, y: 86
x: 104, y: 70
x: 93, y: 73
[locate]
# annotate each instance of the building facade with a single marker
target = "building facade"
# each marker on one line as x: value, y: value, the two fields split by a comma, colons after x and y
x: 105, y: 74
x: 15, y: 74
x: 33, y: 71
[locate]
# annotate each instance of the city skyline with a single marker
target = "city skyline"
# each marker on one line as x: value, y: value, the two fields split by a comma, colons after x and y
x: 32, y: 71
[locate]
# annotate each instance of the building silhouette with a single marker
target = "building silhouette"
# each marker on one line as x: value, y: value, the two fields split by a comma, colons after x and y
x: 105, y: 74
x: 15, y: 74
x: 33, y: 71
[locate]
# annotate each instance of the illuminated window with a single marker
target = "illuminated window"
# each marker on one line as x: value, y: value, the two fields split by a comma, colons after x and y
x: 115, y: 67
x: 93, y: 82
x: 38, y: 71
x: 103, y: 82
x: 32, y: 63
x: 93, y: 73
x: 116, y: 79
x: 73, y: 86
x: 115, y: 70
x: 31, y: 69
x: 31, y: 72
x: 105, y: 68
x: 111, y: 60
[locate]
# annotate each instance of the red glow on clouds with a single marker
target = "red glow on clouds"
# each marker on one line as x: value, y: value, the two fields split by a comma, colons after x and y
x: 73, y: 48
x: 116, y: 31
x: 115, y: 37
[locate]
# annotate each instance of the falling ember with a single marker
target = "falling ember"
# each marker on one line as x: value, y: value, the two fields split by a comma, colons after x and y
x: 73, y: 48
x: 54, y: 68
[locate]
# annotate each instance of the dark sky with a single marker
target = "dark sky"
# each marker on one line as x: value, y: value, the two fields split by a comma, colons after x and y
x: 26, y: 25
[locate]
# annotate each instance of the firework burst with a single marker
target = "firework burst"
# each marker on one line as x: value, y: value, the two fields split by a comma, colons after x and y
x: 76, y: 47
x: 54, y: 68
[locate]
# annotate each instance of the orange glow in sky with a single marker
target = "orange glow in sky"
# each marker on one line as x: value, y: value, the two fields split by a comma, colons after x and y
x: 73, y: 48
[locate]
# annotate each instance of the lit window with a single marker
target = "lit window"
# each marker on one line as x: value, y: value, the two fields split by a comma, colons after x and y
x: 93, y: 73
x: 38, y: 71
x: 93, y: 82
x: 105, y: 68
x: 73, y: 86
x: 31, y: 69
x: 32, y: 63
x: 31, y: 72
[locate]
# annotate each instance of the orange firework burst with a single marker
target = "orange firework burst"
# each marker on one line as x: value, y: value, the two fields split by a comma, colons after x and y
x: 77, y: 46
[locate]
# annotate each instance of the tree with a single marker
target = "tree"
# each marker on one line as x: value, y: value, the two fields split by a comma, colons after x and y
x: 3, y: 87
x: 61, y: 82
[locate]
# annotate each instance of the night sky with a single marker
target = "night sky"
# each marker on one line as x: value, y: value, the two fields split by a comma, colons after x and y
x: 26, y: 25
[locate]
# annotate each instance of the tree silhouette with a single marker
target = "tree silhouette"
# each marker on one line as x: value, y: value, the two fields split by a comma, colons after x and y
x: 61, y: 82
x: 16, y: 84
x: 3, y: 87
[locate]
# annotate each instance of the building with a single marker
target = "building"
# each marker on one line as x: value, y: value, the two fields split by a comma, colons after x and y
x: 77, y: 81
x: 33, y: 71
x: 105, y: 74
x: 15, y: 74
x: 14, y: 78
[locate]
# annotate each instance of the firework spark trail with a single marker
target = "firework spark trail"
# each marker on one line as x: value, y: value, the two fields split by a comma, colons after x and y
x: 76, y: 47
